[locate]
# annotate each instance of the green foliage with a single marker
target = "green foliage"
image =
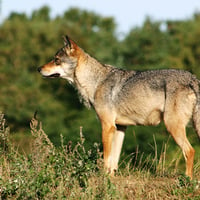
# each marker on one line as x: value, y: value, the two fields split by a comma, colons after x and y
x: 186, y: 187
x: 47, y: 170
x: 4, y: 132
x: 146, y: 46
x: 151, y: 47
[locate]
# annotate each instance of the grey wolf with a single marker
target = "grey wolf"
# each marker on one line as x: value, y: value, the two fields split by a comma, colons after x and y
x: 121, y: 98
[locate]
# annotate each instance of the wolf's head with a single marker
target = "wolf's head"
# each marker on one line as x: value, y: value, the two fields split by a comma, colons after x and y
x: 64, y: 62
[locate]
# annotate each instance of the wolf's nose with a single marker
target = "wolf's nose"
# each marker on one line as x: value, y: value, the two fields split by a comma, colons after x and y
x: 39, y: 69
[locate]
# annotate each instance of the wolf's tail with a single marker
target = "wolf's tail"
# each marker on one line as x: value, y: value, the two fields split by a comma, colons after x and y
x: 196, y: 112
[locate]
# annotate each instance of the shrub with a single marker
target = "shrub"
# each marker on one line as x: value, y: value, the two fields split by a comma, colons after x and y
x: 47, y: 172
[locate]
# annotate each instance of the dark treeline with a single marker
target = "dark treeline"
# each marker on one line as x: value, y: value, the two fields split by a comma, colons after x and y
x: 30, y: 41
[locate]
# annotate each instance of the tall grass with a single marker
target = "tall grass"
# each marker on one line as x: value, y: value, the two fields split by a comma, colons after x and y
x: 72, y: 172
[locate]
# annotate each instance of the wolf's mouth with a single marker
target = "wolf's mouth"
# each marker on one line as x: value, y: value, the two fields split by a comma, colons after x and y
x: 56, y: 75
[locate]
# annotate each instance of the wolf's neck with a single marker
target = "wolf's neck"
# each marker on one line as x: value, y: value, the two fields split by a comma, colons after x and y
x: 88, y: 76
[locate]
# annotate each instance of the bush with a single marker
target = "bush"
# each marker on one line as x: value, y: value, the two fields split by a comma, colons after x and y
x: 47, y: 172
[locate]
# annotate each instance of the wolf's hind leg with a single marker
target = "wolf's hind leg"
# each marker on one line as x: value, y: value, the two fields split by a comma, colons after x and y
x: 178, y: 111
x: 177, y: 130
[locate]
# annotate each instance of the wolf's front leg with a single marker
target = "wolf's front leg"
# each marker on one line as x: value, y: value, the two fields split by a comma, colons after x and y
x: 107, y: 138
x: 117, y: 142
x: 112, y: 143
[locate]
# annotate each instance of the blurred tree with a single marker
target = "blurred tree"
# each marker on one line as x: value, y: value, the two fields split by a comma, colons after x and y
x: 184, y: 44
x: 145, y: 47
x: 41, y: 14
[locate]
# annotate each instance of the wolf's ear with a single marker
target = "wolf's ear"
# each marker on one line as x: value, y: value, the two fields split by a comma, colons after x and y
x: 67, y: 41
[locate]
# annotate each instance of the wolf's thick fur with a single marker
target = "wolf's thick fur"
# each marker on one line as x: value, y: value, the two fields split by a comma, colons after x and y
x: 121, y: 98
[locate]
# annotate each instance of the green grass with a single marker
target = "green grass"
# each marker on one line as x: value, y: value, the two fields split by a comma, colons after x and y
x: 72, y: 172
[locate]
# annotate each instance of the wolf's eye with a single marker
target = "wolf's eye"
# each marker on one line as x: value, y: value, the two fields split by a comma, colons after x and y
x: 57, y: 61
